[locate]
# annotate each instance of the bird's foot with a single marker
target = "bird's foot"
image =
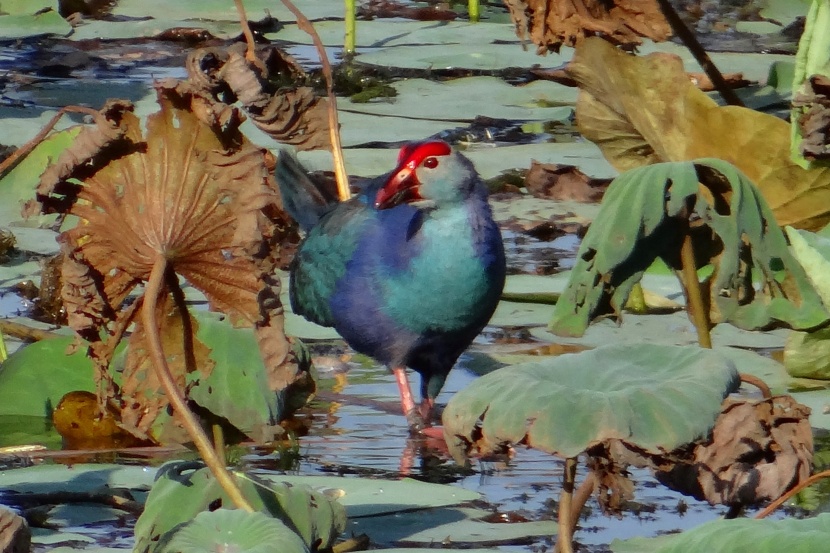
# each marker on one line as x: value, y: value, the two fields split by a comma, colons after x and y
x: 416, y: 421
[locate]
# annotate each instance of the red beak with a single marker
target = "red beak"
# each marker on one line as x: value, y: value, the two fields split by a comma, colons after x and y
x: 401, y: 187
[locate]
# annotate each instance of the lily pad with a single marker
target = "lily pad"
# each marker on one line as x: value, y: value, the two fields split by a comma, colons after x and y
x: 484, y: 57
x: 220, y: 10
x: 233, y: 529
x: 36, y: 377
x: 466, y: 98
x: 730, y: 536
x: 18, y: 185
x: 184, y: 489
x: 32, y: 23
x: 447, y: 525
x: 368, y: 497
x: 657, y: 397
x: 386, y: 33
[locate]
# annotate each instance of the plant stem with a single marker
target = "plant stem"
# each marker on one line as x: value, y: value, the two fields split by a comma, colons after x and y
x: 219, y: 443
x: 250, y: 51
x: 696, y: 306
x: 162, y: 370
x: 350, y: 41
x: 690, y: 41
x: 4, y: 353
x: 564, y: 543
x: 473, y: 10
x: 340, y: 175
x: 783, y: 499
x: 581, y: 497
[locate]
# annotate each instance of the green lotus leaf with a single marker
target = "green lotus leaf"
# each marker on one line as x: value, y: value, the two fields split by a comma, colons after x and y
x: 640, y: 221
x: 652, y: 396
x: 35, y: 378
x: 184, y: 489
x: 739, y: 535
x: 233, y: 530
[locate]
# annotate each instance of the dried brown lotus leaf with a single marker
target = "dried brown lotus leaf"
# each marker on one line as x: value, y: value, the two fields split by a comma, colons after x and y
x: 191, y: 189
x: 550, y: 24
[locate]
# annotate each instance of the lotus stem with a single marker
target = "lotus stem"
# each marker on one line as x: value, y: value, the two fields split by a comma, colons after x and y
x: 581, y: 497
x: 219, y: 443
x: 350, y: 41
x: 694, y: 297
x: 564, y: 543
x: 817, y: 477
x: 473, y: 10
x: 340, y: 175
x: 4, y: 353
x: 690, y: 41
x: 162, y: 370
x: 250, y: 51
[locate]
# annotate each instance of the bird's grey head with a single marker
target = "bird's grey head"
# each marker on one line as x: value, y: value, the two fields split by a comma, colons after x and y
x: 429, y: 173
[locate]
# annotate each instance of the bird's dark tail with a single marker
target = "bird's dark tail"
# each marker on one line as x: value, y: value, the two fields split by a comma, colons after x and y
x: 302, y: 197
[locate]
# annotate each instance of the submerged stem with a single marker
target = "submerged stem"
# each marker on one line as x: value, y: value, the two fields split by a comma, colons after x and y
x: 564, y: 543
x: 162, y: 370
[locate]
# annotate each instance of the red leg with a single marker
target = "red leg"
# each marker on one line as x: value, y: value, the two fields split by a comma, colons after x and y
x: 410, y: 410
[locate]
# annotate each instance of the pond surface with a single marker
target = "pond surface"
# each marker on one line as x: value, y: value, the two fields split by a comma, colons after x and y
x: 355, y: 428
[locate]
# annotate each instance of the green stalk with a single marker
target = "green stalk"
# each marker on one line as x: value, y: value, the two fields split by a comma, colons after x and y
x: 473, y: 10
x: 349, y: 43
x: 695, y: 304
x: 4, y: 353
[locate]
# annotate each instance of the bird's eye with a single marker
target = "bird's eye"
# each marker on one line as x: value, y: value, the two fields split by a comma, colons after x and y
x: 431, y: 162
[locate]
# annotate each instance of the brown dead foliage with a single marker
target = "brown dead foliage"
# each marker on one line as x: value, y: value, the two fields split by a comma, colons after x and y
x: 191, y: 189
x: 757, y: 451
x: 550, y: 24
x: 563, y: 183
x: 293, y: 116
x: 643, y: 109
x: 814, y: 122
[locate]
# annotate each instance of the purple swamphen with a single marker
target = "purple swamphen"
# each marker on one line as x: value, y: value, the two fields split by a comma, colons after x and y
x: 408, y: 272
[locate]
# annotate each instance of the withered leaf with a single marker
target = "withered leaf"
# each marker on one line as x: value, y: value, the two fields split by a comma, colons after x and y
x: 553, y: 23
x: 563, y: 183
x: 644, y: 110
x: 192, y: 190
x: 293, y: 116
x: 757, y: 451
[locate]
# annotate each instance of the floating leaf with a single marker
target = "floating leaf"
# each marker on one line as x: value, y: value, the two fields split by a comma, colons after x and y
x: 656, y: 397
x: 643, y: 110
x: 184, y: 489
x: 644, y: 215
x: 731, y: 536
x: 235, y: 530
x: 35, y: 378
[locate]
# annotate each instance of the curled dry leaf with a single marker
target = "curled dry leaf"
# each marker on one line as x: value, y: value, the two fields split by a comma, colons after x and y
x: 563, y: 183
x: 553, y: 23
x: 814, y: 122
x: 644, y: 110
x: 292, y: 116
x: 757, y: 451
x: 193, y: 190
